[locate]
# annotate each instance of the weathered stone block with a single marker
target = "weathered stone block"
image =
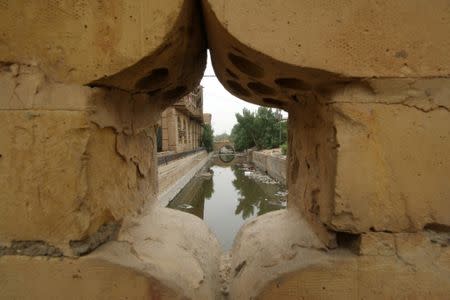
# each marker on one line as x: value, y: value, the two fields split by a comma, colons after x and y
x: 43, y: 278
x: 392, y: 160
x: 165, y: 254
x: 373, y: 156
x: 132, y: 45
x: 292, y: 264
x: 72, y: 158
x: 273, y: 244
x: 311, y: 164
x: 379, y: 243
x: 356, y: 38
x: 366, y: 277
x: 43, y: 178
x: 26, y: 87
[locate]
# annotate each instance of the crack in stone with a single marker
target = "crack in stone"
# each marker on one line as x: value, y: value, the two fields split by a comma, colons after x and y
x: 403, y: 103
x: 105, y: 233
x: 239, y: 268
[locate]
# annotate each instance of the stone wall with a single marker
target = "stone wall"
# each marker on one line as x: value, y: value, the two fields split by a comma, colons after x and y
x: 82, y: 87
x: 176, y: 174
x: 274, y: 166
x: 378, y: 152
x: 73, y: 158
x: 368, y: 104
x: 79, y: 181
x: 366, y: 85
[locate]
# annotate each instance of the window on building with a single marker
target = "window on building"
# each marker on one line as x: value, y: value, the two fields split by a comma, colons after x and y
x: 159, y: 139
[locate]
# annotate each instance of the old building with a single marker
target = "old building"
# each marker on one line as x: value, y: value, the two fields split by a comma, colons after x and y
x: 207, y: 118
x: 181, y: 124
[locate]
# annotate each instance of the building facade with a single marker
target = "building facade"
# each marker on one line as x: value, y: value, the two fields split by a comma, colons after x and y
x: 181, y: 124
x: 207, y: 118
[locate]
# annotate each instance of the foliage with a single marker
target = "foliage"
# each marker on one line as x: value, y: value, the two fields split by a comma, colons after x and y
x: 284, y: 148
x: 207, y: 137
x: 262, y: 129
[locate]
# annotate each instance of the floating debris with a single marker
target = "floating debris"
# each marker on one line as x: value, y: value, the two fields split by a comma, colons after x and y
x: 257, y: 176
x: 205, y: 175
x: 281, y: 193
x: 185, y: 206
x: 278, y: 203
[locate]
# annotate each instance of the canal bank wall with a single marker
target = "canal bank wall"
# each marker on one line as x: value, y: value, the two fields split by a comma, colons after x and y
x: 173, y: 176
x: 273, y: 164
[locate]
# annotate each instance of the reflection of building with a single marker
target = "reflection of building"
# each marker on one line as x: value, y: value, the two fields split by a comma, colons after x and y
x: 181, y: 124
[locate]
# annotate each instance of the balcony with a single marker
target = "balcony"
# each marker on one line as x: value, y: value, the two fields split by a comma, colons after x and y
x: 192, y: 104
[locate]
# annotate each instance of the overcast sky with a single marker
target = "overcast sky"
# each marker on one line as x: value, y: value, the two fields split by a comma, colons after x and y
x: 220, y: 103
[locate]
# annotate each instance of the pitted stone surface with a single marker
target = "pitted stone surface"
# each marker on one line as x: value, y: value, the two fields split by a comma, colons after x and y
x: 353, y: 38
x: 112, y: 43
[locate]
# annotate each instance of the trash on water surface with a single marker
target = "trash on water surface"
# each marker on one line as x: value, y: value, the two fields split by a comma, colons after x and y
x: 281, y: 193
x: 278, y: 203
x: 185, y: 206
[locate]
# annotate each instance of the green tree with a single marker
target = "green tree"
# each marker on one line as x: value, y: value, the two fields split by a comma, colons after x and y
x: 207, y: 137
x: 264, y: 129
x: 244, y: 133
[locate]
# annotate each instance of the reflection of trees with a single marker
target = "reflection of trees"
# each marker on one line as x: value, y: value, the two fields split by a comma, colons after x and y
x: 252, y: 195
x: 245, y: 208
x: 208, y: 188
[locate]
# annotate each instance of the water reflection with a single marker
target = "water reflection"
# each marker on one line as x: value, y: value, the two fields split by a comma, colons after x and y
x: 255, y: 198
x: 226, y: 154
x: 226, y: 158
x: 227, y: 199
x: 192, y: 198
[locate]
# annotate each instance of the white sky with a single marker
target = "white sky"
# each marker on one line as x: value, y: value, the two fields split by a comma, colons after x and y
x: 220, y: 103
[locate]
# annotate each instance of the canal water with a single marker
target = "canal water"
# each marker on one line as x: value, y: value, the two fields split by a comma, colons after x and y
x: 232, y: 195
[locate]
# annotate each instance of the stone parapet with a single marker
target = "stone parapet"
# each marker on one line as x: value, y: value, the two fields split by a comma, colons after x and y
x: 274, y: 166
x: 177, y: 173
x: 162, y: 254
x: 131, y: 45
x: 294, y: 264
x: 358, y: 38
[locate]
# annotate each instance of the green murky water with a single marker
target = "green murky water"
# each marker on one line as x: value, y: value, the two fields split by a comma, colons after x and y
x: 228, y: 199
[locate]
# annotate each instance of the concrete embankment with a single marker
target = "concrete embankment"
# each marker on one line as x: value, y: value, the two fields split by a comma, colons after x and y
x: 273, y: 164
x: 173, y: 176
